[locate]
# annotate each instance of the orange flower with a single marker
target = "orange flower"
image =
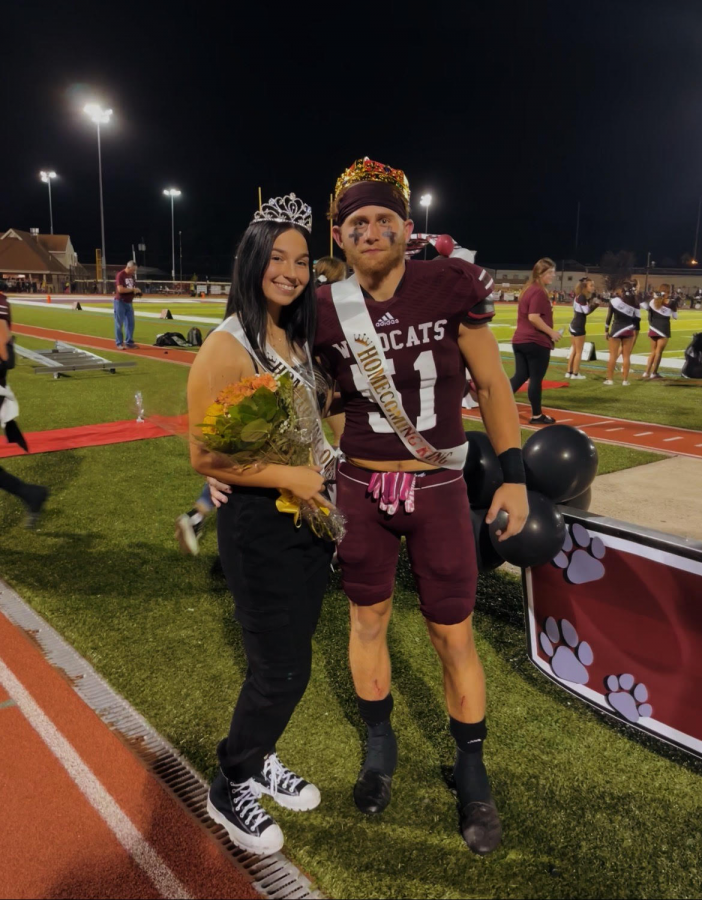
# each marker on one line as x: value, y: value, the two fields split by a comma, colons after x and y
x: 233, y: 394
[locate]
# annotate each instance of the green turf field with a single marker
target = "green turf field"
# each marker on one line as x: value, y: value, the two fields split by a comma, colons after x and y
x: 590, y: 808
x: 688, y: 323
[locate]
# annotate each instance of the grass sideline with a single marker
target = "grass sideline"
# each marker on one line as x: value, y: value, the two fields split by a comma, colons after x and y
x: 590, y: 808
x: 578, y: 793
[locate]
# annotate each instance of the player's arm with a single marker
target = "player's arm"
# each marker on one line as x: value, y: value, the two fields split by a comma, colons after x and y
x: 499, y: 413
x: 220, y: 362
x: 5, y: 338
x: 610, y: 314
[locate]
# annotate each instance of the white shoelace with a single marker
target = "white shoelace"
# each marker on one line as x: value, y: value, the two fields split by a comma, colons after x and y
x: 246, y: 803
x: 278, y: 776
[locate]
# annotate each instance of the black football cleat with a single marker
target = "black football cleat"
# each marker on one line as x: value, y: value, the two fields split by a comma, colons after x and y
x: 372, y: 790
x: 481, y: 827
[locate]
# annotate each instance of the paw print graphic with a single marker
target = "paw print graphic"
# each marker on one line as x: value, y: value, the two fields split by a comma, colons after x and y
x: 569, y: 656
x: 581, y: 556
x: 628, y: 698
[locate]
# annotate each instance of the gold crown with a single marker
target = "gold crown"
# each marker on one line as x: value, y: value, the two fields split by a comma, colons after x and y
x: 367, y: 170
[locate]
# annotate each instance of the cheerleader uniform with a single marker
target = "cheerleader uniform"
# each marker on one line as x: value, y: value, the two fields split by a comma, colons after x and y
x: 659, y: 320
x: 580, y: 313
x: 623, y: 317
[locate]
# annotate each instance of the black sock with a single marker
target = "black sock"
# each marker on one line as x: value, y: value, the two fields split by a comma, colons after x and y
x: 381, y: 749
x: 472, y: 782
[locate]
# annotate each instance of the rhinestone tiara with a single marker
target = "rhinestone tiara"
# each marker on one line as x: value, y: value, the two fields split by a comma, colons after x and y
x: 285, y: 209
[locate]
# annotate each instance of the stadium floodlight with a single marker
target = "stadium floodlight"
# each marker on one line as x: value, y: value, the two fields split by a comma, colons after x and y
x: 172, y: 193
x: 46, y: 178
x: 425, y: 201
x: 100, y: 117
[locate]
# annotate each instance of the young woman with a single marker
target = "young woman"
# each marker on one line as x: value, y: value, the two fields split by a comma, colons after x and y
x: 276, y: 571
x: 622, y: 318
x: 660, y: 311
x: 584, y: 304
x: 534, y: 338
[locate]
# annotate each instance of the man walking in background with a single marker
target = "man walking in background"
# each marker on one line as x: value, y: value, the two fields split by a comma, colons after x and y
x: 125, y: 289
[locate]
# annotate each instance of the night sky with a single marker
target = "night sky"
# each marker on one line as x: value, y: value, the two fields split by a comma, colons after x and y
x: 509, y: 113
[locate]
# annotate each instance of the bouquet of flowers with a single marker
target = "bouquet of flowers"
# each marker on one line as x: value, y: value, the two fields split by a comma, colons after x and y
x: 257, y: 422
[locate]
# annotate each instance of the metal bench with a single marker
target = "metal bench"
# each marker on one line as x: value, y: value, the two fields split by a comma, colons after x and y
x: 64, y: 358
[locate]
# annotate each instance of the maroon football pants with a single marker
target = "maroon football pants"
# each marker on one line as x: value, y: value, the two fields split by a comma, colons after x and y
x: 439, y: 537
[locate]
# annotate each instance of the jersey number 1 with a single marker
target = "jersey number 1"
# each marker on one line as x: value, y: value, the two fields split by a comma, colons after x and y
x: 425, y: 365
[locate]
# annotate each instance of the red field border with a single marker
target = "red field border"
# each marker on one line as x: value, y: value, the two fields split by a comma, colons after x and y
x: 166, y: 354
x: 81, y: 816
x: 628, y: 433
x: 625, y: 432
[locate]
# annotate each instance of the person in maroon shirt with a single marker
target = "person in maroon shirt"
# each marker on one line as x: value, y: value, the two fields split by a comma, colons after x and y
x: 125, y: 291
x: 534, y: 338
x: 33, y: 495
x: 431, y: 321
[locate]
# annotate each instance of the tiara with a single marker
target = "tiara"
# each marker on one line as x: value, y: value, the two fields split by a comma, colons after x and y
x: 285, y: 209
x: 367, y: 170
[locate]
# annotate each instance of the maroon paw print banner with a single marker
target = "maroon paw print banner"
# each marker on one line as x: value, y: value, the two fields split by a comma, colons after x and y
x: 616, y: 619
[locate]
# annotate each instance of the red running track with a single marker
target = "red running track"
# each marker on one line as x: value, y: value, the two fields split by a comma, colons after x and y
x: 625, y: 432
x: 166, y: 354
x: 81, y: 816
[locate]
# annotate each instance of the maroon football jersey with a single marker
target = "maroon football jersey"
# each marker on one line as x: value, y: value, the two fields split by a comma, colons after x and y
x: 418, y: 331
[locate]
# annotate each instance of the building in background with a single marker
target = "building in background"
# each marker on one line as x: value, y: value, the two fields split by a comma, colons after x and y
x: 31, y: 261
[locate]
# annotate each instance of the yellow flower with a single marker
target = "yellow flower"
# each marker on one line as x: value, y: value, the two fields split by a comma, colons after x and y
x: 214, y: 411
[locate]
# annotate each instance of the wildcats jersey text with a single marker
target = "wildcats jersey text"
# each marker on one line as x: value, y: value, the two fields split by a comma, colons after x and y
x: 418, y: 332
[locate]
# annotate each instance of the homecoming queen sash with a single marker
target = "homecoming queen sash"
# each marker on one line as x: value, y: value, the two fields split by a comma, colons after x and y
x: 363, y: 341
x: 323, y: 453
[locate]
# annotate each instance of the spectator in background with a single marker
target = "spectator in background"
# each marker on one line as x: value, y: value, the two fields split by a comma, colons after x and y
x: 535, y: 337
x: 329, y: 269
x: 32, y: 495
x: 125, y: 290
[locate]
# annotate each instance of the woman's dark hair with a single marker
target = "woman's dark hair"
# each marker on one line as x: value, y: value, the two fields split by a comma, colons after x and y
x: 246, y: 297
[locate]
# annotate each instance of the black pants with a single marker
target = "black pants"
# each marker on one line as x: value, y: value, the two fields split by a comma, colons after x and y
x: 277, y: 574
x: 13, y: 485
x: 532, y: 363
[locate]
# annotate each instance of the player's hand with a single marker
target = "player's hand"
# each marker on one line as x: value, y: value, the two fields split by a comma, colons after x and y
x: 219, y: 491
x: 513, y: 499
x: 305, y: 482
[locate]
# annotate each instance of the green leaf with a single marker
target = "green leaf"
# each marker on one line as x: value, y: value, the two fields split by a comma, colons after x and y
x: 255, y: 431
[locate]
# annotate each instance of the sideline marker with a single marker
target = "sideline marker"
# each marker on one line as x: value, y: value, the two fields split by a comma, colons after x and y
x: 76, y: 305
x: 165, y: 314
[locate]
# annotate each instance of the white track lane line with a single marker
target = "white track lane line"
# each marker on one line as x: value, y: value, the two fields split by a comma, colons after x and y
x: 97, y: 796
x: 643, y: 433
x: 668, y: 440
x: 614, y: 429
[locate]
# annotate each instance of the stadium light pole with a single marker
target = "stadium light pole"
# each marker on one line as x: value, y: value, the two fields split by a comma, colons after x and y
x: 46, y: 178
x: 100, y: 117
x: 425, y: 201
x: 697, y: 232
x: 172, y: 193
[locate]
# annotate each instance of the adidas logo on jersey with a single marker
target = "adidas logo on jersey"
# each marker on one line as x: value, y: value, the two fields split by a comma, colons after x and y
x: 387, y: 319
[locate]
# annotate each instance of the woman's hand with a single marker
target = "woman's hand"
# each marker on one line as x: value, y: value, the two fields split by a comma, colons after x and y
x: 513, y: 499
x: 305, y: 482
x: 218, y: 491
x: 556, y: 336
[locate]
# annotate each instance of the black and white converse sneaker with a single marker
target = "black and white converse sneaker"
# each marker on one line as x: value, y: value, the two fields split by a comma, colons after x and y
x: 236, y: 808
x: 188, y: 530
x: 287, y: 788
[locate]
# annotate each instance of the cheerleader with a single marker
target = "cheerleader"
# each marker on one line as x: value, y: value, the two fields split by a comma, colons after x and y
x: 660, y: 311
x: 623, y: 316
x: 585, y: 302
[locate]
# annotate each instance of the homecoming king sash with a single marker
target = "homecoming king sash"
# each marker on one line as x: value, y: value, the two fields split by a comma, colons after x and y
x: 363, y: 341
x: 323, y: 453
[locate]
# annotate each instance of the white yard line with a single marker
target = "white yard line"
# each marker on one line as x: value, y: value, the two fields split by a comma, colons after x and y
x: 128, y: 835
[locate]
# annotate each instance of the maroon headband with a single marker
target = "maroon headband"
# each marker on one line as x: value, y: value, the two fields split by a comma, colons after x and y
x: 369, y: 193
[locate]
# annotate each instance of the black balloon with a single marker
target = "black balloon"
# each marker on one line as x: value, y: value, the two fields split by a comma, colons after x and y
x: 560, y: 462
x: 539, y: 541
x: 486, y: 555
x: 581, y: 502
x: 482, y: 471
